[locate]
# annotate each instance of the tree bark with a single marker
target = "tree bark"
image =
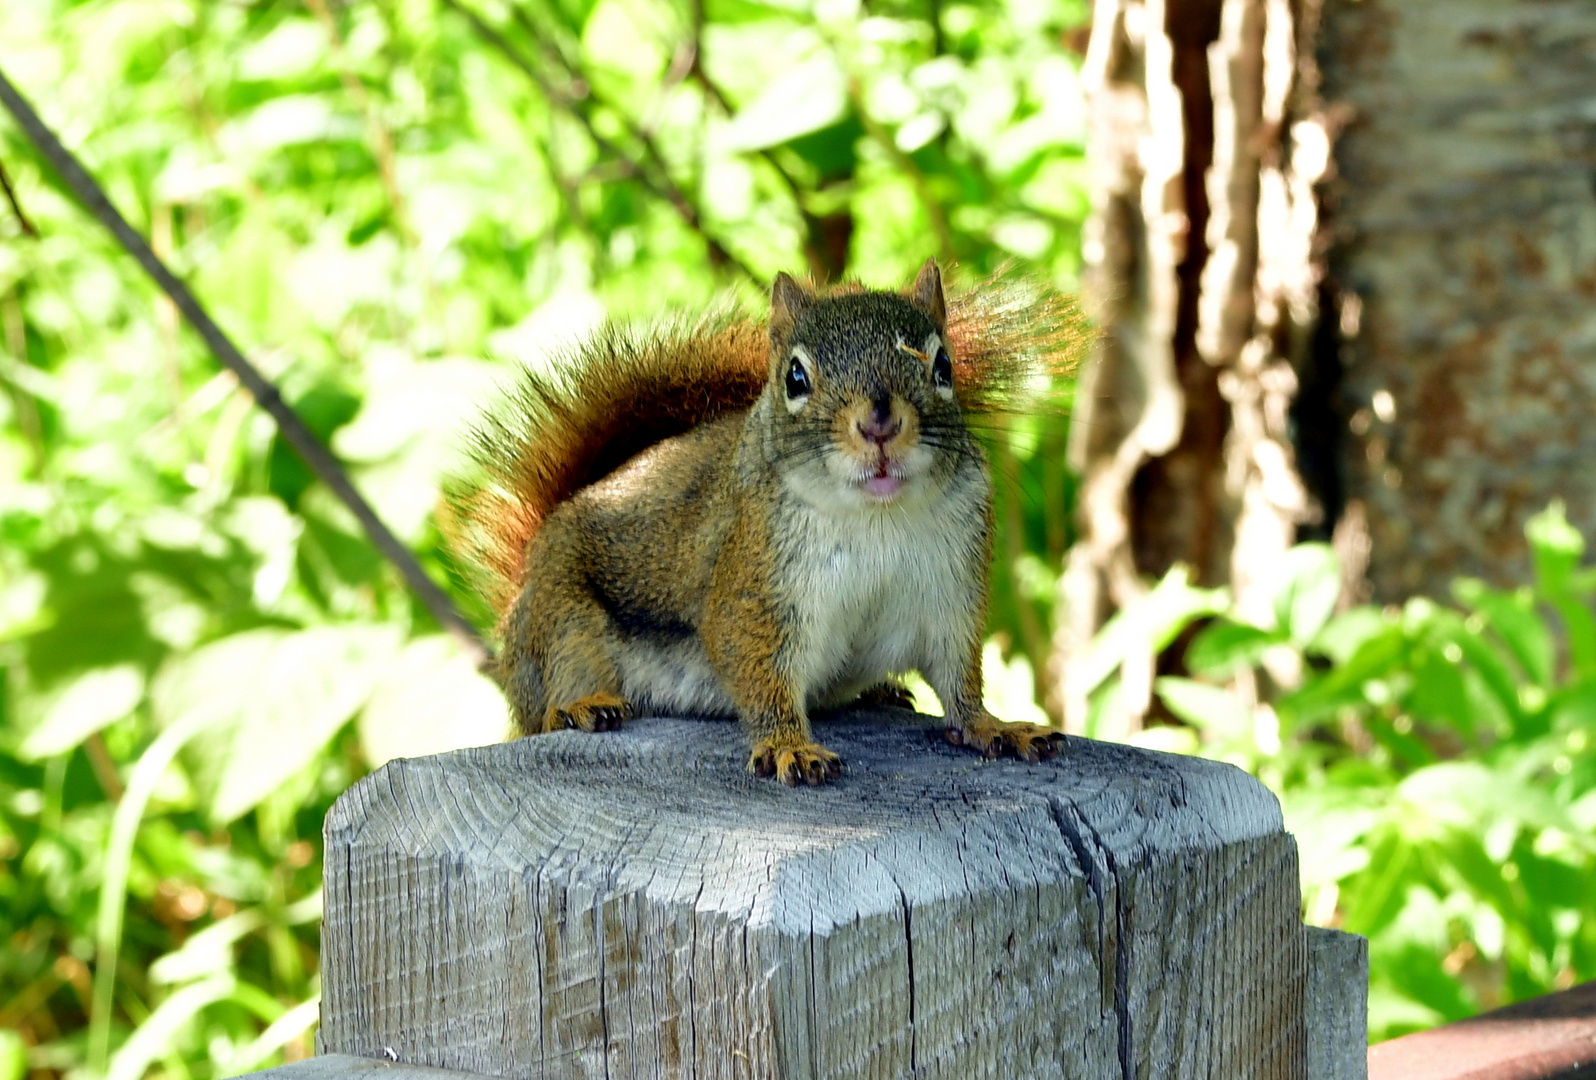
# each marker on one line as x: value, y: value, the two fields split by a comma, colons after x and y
x: 1465, y: 266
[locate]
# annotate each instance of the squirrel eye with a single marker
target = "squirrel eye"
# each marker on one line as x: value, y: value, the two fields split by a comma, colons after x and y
x: 942, y: 370
x: 797, y: 380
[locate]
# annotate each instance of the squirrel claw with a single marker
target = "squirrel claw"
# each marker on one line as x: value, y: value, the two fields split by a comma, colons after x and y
x: 994, y: 739
x: 806, y: 763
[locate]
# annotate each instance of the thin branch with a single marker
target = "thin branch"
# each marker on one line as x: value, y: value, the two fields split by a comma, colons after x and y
x: 381, y: 141
x: 304, y: 441
x: 922, y: 186
x: 579, y: 78
x: 662, y: 186
x: 16, y: 207
x: 813, y: 223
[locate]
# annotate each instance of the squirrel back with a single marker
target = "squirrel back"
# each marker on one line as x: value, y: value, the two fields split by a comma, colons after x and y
x: 577, y: 419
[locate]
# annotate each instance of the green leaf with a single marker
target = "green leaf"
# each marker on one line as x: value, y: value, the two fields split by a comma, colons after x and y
x: 1345, y: 634
x: 1469, y: 795
x: 83, y: 706
x: 1103, y: 703
x: 1513, y: 616
x: 1224, y: 647
x: 1439, y: 694
x: 1580, y: 626
x: 270, y: 700
x: 807, y: 97
x: 1373, y: 900
x: 1494, y: 670
x: 1574, y: 705
x: 209, y: 952
x: 432, y: 699
x: 1556, y: 548
x: 13, y: 1055
x: 1310, y: 585
x: 1148, y: 624
x: 325, y: 408
x: 1343, y: 684
x: 1210, y: 708
x: 154, y: 1037
x: 833, y: 151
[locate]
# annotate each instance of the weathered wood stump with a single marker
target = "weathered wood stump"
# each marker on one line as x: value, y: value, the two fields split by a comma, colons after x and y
x: 633, y: 904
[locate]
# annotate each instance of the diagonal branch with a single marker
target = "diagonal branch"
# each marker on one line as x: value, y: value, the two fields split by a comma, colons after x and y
x: 16, y: 206
x: 661, y: 186
x: 304, y: 441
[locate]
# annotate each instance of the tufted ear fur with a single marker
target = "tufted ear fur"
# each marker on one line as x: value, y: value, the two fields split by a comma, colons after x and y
x: 788, y: 302
x: 926, y: 294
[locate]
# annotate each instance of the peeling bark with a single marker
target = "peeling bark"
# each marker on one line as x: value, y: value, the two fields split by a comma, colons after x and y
x: 1346, y: 276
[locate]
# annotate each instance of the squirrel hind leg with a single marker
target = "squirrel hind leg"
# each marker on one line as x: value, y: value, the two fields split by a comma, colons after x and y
x: 992, y: 738
x: 595, y: 712
x: 888, y: 694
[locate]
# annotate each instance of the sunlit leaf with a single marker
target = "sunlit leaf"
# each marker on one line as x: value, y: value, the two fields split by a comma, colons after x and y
x: 1513, y: 616
x: 807, y: 97
x: 82, y: 707
x: 430, y: 700
x: 1149, y: 622
x: 13, y: 1055
x: 271, y: 699
x: 1223, y: 647
x: 1210, y: 708
x: 1345, y: 634
x: 208, y: 952
x: 1307, y: 586
x: 1556, y: 547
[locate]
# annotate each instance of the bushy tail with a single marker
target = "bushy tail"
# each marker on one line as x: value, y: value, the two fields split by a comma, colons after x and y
x: 583, y: 414
x: 1012, y: 337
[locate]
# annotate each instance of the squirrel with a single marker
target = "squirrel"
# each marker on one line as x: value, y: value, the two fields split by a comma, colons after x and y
x: 729, y: 518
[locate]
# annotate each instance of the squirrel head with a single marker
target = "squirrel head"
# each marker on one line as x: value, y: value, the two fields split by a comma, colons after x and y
x: 861, y: 397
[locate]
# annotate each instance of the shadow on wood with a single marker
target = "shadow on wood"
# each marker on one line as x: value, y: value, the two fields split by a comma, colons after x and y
x: 634, y: 904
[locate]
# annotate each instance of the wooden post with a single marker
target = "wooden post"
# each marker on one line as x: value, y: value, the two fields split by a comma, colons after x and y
x: 633, y: 904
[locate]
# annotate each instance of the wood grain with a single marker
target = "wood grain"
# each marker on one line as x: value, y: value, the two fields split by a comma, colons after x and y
x: 633, y: 904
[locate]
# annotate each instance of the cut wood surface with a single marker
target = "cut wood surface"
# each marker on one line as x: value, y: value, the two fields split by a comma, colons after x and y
x: 633, y: 904
x: 349, y: 1067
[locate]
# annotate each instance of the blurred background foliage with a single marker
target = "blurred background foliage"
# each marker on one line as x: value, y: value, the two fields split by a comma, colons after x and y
x: 388, y: 204
x: 391, y: 203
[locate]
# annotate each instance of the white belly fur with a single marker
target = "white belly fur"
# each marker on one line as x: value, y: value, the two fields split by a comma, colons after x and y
x: 885, y: 594
x: 675, y: 680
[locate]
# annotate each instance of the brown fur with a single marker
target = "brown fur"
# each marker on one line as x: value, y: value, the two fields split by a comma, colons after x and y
x: 597, y: 407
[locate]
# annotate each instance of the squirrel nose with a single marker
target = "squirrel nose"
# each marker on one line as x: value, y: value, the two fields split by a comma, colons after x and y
x: 880, y: 428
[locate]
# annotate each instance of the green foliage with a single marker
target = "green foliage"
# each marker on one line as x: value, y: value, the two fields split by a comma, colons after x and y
x: 198, y: 648
x: 1437, y: 764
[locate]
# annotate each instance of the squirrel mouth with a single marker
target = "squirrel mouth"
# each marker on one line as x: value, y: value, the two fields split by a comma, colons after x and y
x: 885, y: 483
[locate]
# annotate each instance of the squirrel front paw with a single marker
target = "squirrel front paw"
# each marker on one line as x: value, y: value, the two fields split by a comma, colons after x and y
x: 993, y: 738
x: 792, y: 763
x: 596, y: 712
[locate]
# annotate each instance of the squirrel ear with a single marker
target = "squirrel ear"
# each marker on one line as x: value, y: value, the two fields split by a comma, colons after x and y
x: 788, y: 301
x: 926, y: 294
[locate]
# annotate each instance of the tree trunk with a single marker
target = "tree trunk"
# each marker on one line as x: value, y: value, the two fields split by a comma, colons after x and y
x: 1465, y: 214
x: 1419, y: 172
x: 1208, y: 141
